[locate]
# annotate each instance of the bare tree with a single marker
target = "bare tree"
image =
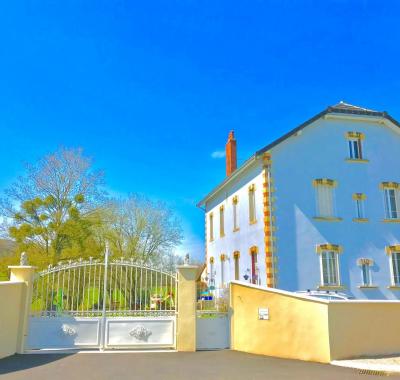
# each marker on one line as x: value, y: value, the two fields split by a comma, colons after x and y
x: 143, y: 229
x: 62, y: 175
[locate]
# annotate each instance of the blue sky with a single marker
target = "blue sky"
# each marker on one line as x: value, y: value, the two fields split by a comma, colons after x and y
x: 151, y: 89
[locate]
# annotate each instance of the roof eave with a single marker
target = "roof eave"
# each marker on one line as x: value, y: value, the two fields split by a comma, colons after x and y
x: 391, y: 119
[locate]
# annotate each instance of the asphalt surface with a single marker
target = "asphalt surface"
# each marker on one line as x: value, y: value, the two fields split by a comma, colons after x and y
x: 168, y: 365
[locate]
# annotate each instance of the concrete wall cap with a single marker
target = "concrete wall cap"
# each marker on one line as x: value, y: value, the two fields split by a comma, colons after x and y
x: 187, y: 267
x: 5, y: 283
x: 282, y: 292
x: 314, y: 299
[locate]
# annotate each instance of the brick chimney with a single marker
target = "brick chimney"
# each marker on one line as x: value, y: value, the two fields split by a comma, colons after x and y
x: 230, y: 149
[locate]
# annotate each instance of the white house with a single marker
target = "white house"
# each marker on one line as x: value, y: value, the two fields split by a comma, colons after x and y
x: 317, y: 209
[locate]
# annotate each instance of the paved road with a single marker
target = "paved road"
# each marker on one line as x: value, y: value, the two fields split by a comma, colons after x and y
x: 168, y: 365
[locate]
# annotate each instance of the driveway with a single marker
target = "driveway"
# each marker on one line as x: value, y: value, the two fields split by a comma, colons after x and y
x: 216, y: 365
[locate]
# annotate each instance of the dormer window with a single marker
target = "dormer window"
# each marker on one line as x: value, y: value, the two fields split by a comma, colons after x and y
x: 354, y: 140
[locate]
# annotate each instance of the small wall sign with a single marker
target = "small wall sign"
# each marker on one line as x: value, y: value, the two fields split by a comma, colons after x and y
x: 263, y: 314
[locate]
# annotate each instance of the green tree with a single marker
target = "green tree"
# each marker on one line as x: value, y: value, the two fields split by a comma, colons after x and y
x: 41, y: 225
x: 53, y: 207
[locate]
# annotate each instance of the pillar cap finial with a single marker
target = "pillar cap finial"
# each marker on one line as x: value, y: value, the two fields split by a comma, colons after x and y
x: 23, y: 260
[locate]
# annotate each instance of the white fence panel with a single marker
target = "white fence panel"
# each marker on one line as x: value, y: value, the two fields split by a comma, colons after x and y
x: 63, y: 333
x: 140, y: 333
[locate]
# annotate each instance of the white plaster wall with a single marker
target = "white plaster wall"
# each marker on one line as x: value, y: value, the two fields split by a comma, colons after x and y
x: 248, y: 235
x: 320, y: 152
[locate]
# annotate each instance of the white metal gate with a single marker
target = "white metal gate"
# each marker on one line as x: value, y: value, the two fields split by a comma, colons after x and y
x: 212, y: 330
x: 103, y: 304
x: 212, y: 320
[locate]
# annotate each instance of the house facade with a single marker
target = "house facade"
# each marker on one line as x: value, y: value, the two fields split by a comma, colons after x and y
x: 318, y: 209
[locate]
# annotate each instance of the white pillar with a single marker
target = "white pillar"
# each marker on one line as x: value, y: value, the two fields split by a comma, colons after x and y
x: 186, y: 322
x: 23, y: 274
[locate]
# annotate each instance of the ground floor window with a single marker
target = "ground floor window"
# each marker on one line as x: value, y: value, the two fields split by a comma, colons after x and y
x: 329, y: 264
x: 236, y: 257
x: 223, y: 258
x: 212, y: 272
x: 254, y: 265
x: 395, y: 261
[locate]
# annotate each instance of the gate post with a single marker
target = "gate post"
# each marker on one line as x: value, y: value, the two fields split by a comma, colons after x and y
x: 186, y: 321
x: 24, y: 273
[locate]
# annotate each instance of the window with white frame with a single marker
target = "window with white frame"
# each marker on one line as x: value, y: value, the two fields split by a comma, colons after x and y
x: 252, y: 204
x: 355, y: 145
x: 325, y: 197
x: 222, y: 221
x: 235, y: 201
x: 359, y: 201
x: 211, y: 229
x: 254, y: 265
x: 212, y: 272
x: 396, y: 268
x: 391, y: 199
x: 223, y: 259
x: 236, y: 256
x: 394, y: 256
x: 329, y: 264
x: 365, y: 266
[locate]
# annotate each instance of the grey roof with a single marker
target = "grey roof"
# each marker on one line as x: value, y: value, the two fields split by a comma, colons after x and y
x: 350, y: 107
x: 340, y: 107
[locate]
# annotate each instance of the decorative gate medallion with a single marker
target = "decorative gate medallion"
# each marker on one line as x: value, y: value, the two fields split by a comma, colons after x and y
x: 67, y: 330
x: 140, y: 333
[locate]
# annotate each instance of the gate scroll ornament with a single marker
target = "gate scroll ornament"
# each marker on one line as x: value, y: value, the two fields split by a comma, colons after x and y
x: 100, y: 288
